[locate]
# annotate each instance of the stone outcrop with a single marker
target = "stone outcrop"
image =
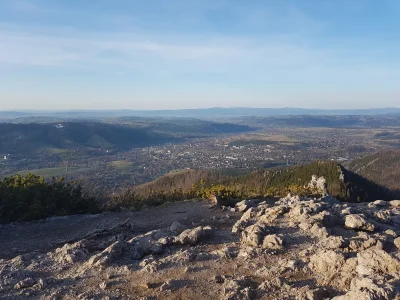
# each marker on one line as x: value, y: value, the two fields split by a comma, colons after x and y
x: 293, y: 248
x: 358, y: 222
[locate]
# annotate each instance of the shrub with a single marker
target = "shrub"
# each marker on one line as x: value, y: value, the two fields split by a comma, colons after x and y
x: 31, y: 197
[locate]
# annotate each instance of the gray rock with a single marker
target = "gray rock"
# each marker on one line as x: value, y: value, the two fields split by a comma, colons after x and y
x: 383, y: 216
x: 318, y: 294
x: 327, y: 262
x: 330, y: 200
x: 40, y: 285
x: 104, y: 285
x: 177, y: 227
x: 381, y: 203
x: 227, y: 252
x: 241, y: 224
x: 395, y: 203
x: 397, y: 242
x: 236, y: 290
x: 369, y: 289
x: 111, y: 253
x: 319, y: 231
x: 332, y: 242
x: 193, y: 236
x: 363, y: 244
x: 272, y: 241
x: 173, y: 285
x: 71, y: 253
x: 253, y: 235
x: 375, y: 261
x: 244, y: 205
x: 358, y: 222
x: 26, y: 283
x: 391, y: 232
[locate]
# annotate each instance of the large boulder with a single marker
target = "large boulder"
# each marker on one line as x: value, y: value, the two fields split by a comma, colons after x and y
x: 358, y: 222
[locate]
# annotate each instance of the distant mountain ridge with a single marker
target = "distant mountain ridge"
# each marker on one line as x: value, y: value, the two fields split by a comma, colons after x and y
x: 198, y: 113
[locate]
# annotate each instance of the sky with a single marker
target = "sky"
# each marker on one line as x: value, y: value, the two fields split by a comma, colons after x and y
x: 172, y: 54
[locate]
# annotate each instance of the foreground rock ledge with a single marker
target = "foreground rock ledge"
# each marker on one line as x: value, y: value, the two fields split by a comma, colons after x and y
x: 293, y: 248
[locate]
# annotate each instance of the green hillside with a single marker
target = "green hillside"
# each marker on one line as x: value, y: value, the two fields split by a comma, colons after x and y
x: 28, y: 138
x: 382, y: 168
x: 340, y: 183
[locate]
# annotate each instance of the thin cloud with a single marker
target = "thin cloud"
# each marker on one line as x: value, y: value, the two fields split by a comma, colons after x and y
x: 148, y: 51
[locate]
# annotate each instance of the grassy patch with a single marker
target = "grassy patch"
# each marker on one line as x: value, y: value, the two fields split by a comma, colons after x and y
x: 57, y: 150
x: 50, y: 172
x: 123, y: 167
x: 121, y: 164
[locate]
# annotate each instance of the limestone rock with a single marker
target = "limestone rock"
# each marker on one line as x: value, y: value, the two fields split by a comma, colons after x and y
x: 358, y: 222
x: 253, y: 235
x: 26, y: 283
x: 272, y: 241
x: 319, y: 231
x: 381, y: 203
x: 104, y: 285
x: 395, y: 203
x: 289, y: 200
x: 397, y: 242
x: 241, y: 224
x: 376, y: 261
x: 109, y: 254
x: 383, y: 216
x: 327, y: 261
x: 317, y: 183
x: 318, y: 294
x: 193, y: 236
x: 236, y: 290
x: 330, y: 200
x: 177, y: 227
x: 173, y: 285
x: 245, y: 205
x: 71, y: 253
x: 369, y: 289
x: 332, y: 242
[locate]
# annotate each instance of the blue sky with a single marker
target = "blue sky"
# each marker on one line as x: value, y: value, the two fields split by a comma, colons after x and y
x: 169, y: 54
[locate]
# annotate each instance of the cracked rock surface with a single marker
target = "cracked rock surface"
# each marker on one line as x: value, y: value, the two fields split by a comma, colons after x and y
x: 289, y: 248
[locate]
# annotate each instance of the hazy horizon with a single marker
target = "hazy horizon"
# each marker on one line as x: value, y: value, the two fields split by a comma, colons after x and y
x: 198, y: 108
x: 175, y: 54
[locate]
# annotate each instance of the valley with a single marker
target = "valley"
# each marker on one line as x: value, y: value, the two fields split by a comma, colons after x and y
x: 114, y: 156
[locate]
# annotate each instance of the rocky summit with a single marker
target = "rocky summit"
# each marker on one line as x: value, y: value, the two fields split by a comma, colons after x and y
x: 292, y: 248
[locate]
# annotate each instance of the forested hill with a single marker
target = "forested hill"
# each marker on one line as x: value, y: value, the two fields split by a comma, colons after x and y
x: 28, y: 138
x: 382, y: 168
x: 340, y: 182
